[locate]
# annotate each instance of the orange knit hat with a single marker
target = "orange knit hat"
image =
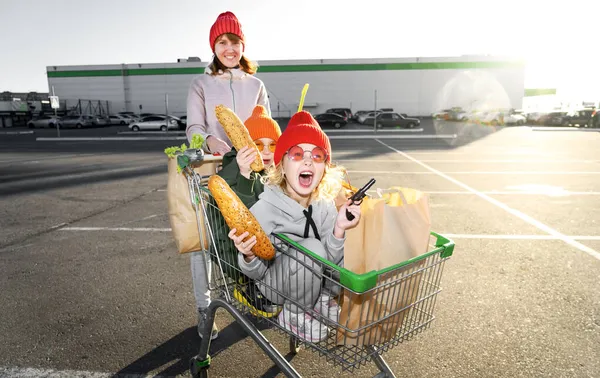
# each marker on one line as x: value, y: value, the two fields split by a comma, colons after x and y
x: 260, y: 125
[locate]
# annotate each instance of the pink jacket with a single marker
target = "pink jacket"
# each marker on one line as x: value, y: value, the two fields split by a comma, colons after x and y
x: 234, y: 88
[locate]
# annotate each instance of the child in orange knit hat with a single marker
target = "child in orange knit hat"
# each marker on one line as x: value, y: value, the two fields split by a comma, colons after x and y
x: 236, y: 171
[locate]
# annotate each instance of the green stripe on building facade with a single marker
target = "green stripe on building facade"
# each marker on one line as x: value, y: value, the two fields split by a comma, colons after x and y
x: 530, y: 92
x: 295, y: 68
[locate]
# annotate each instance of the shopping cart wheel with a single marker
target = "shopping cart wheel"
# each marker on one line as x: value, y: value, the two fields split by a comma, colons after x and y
x: 294, y: 345
x: 199, y: 369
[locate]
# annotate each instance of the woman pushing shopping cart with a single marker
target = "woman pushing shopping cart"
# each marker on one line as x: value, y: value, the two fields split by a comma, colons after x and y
x: 348, y: 317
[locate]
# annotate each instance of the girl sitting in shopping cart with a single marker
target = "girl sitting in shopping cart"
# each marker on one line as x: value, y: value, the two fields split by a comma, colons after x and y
x: 298, y: 201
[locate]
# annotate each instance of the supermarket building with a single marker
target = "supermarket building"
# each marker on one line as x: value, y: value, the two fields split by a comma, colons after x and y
x: 415, y: 86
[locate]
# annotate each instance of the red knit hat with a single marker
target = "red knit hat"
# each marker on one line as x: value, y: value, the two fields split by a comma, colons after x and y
x: 226, y: 23
x: 260, y: 125
x: 302, y: 128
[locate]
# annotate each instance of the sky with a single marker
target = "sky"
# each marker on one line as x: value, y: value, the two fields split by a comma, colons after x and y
x: 559, y: 42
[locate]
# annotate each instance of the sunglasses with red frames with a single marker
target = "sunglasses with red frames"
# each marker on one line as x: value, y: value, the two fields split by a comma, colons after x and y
x: 261, y: 145
x: 296, y: 153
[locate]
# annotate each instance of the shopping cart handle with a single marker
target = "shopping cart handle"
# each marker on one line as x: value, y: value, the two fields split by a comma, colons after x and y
x: 194, y: 154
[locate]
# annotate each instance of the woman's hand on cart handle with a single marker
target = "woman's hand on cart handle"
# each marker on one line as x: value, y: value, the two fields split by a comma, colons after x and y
x: 216, y: 145
x: 245, y: 247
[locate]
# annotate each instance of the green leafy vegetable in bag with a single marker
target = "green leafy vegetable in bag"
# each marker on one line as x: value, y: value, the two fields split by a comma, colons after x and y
x: 196, y: 143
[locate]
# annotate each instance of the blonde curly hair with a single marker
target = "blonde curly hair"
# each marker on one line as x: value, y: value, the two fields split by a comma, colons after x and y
x: 328, y: 188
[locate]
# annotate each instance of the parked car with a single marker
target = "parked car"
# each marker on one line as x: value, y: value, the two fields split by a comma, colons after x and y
x: 130, y: 117
x: 77, y: 121
x: 514, y: 119
x: 100, y: 120
x: 363, y: 117
x: 581, y: 117
x: 344, y: 112
x: 43, y: 121
x: 453, y: 114
x: 533, y: 118
x: 358, y: 114
x: 555, y: 118
x: 119, y: 120
x: 155, y: 123
x: 182, y: 122
x: 331, y: 120
x: 393, y: 120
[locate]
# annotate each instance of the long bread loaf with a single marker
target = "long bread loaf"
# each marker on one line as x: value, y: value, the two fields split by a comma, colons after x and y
x: 238, y: 216
x: 238, y: 134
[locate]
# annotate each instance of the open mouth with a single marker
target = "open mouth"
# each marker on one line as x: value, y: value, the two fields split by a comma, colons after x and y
x: 305, y: 179
x: 266, y: 161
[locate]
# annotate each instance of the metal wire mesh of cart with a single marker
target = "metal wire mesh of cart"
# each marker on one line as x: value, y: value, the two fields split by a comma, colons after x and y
x: 345, y: 317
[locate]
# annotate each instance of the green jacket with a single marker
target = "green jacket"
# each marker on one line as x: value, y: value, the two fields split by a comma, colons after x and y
x: 248, y: 190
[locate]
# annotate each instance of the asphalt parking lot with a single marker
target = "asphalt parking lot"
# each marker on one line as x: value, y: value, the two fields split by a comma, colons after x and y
x: 91, y: 283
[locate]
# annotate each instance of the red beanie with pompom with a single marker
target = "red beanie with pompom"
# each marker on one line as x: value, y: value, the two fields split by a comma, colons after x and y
x: 302, y: 128
x: 227, y: 22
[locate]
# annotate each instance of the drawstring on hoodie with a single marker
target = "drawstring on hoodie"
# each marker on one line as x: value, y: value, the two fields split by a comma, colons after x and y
x: 310, y: 223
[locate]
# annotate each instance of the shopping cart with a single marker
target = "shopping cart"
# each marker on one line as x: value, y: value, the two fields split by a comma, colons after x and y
x: 379, y: 309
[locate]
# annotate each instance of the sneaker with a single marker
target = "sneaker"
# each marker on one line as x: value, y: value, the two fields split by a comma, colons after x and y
x: 328, y: 307
x: 250, y: 296
x: 202, y: 320
x: 303, y: 325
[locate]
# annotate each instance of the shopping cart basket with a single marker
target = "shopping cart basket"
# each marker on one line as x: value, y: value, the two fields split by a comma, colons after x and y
x: 379, y: 309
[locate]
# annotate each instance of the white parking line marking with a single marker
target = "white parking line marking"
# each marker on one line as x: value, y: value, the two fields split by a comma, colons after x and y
x: 51, y: 373
x: 83, y: 139
x: 484, y: 172
x: 371, y: 131
x: 58, y: 226
x: 516, y: 237
x: 15, y: 132
x: 457, y: 236
x: 377, y: 136
x: 488, y: 151
x: 538, y: 193
x: 564, y: 193
x: 562, y: 129
x: 149, y: 217
x: 519, y: 161
x: 134, y: 138
x: 159, y: 133
x: 48, y: 157
x: 135, y: 229
x: 508, y: 209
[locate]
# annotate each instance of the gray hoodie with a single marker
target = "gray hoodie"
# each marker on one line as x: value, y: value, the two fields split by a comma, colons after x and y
x: 278, y: 213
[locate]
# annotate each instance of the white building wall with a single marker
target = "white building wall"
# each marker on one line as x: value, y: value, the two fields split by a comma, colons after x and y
x: 418, y: 92
x: 415, y: 92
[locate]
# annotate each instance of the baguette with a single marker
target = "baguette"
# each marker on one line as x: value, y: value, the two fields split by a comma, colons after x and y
x: 238, y: 216
x: 238, y: 134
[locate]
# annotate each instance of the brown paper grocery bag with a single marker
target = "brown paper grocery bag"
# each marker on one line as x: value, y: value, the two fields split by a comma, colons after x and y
x: 392, y: 229
x: 182, y: 214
